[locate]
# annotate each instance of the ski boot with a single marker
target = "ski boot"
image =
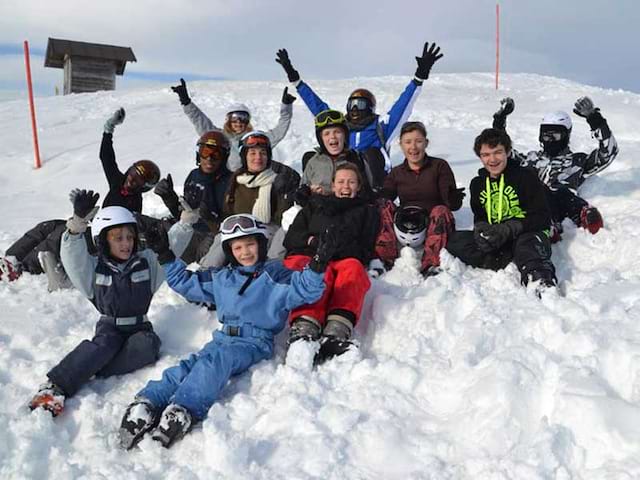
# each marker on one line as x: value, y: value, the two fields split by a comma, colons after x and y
x: 546, y: 280
x: 175, y: 423
x: 304, y: 328
x: 590, y: 219
x: 50, y: 397
x: 302, y: 345
x: 10, y: 268
x: 138, y: 419
x: 56, y: 276
x: 335, y: 338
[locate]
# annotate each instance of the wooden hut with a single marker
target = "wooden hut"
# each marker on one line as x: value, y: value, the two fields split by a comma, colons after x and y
x: 88, y: 67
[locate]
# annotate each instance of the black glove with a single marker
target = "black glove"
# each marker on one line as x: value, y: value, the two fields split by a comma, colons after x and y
x: 181, y: 90
x: 282, y: 57
x: 327, y: 246
x: 491, y: 237
x: 302, y: 195
x: 287, y: 98
x: 507, y: 106
x: 430, y: 55
x: 456, y: 197
x: 83, y: 202
x: 584, y: 107
x: 164, y: 188
x: 193, y: 193
x: 157, y: 240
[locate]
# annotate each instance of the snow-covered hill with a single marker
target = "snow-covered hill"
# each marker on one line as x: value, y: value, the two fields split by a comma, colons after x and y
x: 464, y: 375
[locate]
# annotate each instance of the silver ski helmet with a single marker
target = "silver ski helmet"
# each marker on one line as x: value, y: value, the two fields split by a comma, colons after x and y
x: 555, y: 132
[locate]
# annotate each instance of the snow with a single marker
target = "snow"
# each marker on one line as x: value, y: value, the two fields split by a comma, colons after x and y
x: 463, y: 375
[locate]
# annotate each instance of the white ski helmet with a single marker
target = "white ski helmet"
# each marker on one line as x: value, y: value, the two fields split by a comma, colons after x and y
x: 242, y: 225
x: 238, y: 107
x: 410, y: 225
x: 109, y: 217
x: 558, y: 118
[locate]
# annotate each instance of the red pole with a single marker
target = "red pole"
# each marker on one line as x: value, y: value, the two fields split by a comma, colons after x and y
x: 32, y: 106
x: 497, y: 43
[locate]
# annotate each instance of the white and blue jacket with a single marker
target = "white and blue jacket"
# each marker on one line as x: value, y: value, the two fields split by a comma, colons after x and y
x: 369, y: 136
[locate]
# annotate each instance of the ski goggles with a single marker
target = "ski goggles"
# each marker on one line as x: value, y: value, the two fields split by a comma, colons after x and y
x: 242, y: 117
x: 329, y: 117
x: 211, y: 153
x: 256, y: 141
x: 358, y: 103
x: 551, y: 136
x: 244, y: 223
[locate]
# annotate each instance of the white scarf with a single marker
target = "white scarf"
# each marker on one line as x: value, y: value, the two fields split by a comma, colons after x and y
x: 263, y: 181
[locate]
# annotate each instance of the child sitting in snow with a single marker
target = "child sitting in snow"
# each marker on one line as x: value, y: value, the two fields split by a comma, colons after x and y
x: 120, y: 282
x: 331, y: 319
x: 253, y: 297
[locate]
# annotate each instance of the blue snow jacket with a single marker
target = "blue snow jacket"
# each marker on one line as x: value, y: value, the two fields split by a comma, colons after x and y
x: 253, y: 302
x: 387, y: 127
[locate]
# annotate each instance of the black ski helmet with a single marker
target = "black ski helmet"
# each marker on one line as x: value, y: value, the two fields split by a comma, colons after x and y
x: 327, y: 119
x: 254, y: 139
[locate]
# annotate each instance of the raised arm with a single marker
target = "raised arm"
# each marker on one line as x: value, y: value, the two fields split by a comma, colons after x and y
x: 200, y: 121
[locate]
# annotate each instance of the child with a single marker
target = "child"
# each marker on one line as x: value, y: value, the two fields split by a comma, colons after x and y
x: 120, y: 282
x: 331, y: 319
x: 253, y: 298
x: 561, y: 169
x: 510, y: 214
x: 426, y: 182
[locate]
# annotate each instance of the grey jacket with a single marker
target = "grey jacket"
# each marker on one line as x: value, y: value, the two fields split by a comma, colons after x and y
x: 203, y: 124
x: 320, y: 169
x: 81, y: 266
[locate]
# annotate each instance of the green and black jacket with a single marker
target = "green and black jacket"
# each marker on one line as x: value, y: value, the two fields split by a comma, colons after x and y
x: 517, y: 194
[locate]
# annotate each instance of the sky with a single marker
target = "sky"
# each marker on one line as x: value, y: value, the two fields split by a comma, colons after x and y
x: 589, y: 41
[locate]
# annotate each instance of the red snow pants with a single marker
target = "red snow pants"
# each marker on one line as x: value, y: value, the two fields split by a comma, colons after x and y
x: 346, y: 282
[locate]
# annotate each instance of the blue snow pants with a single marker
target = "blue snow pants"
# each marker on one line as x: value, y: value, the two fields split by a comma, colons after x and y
x: 197, y: 381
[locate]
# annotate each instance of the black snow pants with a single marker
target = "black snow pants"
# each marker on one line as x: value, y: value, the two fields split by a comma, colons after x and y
x: 531, y: 252
x: 114, y: 350
x: 44, y: 237
x: 565, y: 204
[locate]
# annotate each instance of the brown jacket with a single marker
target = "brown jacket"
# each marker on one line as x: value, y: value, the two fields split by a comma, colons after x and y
x: 240, y: 199
x: 430, y: 186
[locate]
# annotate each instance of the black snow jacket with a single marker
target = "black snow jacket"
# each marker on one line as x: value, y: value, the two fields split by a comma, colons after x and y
x: 517, y: 194
x: 356, y: 221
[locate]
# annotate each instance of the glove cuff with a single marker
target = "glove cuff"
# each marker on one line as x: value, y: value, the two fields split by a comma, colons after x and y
x: 77, y: 225
x: 166, y: 257
x: 189, y: 217
x: 317, y: 265
x: 419, y: 81
x: 109, y: 127
x: 596, y: 120
x: 499, y: 121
